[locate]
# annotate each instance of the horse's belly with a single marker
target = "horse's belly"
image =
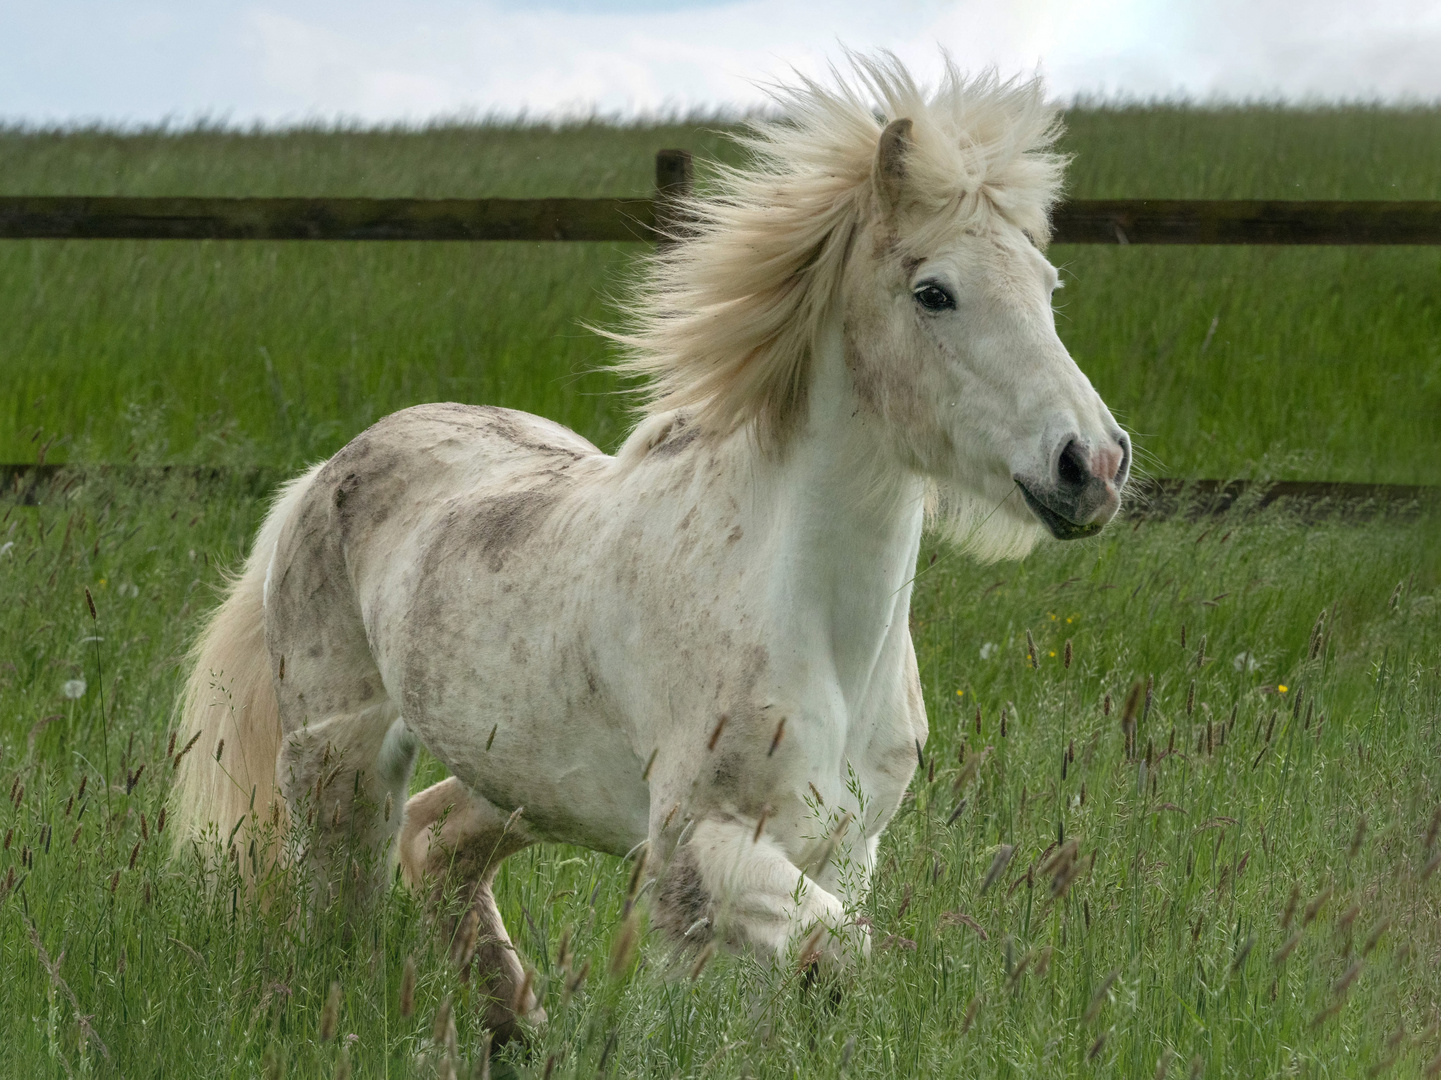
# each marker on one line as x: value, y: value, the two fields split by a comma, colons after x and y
x: 511, y: 738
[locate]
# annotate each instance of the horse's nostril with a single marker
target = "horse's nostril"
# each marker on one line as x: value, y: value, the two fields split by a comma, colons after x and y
x: 1071, y: 468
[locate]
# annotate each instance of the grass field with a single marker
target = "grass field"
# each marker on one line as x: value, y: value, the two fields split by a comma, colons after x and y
x: 1177, y: 943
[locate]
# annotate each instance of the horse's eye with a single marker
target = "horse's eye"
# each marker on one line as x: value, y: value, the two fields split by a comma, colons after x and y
x: 934, y: 297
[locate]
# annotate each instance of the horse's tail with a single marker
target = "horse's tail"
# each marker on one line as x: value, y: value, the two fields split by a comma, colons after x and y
x: 228, y: 727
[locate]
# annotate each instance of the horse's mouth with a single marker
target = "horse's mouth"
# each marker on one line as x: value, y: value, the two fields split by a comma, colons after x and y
x: 1061, y: 527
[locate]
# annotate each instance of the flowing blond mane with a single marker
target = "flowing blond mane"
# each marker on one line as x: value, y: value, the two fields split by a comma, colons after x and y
x: 723, y: 321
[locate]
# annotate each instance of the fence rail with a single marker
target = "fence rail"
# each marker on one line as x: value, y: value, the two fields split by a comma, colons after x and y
x: 1113, y: 221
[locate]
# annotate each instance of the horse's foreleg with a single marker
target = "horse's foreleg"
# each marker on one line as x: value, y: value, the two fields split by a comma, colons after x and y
x: 743, y: 888
x: 454, y: 839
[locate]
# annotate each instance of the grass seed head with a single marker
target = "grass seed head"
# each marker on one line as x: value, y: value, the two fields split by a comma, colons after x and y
x: 520, y: 1005
x: 407, y: 988
x: 1313, y: 909
x: 1098, y: 999
x: 998, y: 865
x: 810, y: 950
x: 562, y: 954
x: 1031, y: 657
x: 1132, y: 704
x: 704, y: 957
x: 1317, y: 636
x: 1243, y: 952
x: 1359, y: 837
x: 443, y: 1021
x: 623, y: 951
x: 576, y: 981
x: 716, y: 733
x: 465, y: 941
x: 1374, y: 937
x: 971, y: 1010
x: 642, y: 860
x: 1327, y: 1013
x: 1347, y: 978
x: 330, y: 1013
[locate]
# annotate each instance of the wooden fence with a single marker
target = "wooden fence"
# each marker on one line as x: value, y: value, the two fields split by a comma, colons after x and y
x: 1093, y: 221
x: 1082, y: 221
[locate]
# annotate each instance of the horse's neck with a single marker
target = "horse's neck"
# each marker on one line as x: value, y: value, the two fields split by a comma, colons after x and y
x: 849, y: 525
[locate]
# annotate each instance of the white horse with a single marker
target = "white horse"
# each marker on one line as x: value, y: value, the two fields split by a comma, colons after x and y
x: 701, y: 643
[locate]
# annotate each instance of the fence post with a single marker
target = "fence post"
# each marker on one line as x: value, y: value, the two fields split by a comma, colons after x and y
x: 674, y: 178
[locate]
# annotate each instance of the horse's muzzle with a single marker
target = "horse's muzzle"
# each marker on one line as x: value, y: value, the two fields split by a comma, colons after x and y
x: 1084, y: 490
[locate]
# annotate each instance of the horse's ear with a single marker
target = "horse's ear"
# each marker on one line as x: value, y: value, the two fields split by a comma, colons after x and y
x: 891, y: 154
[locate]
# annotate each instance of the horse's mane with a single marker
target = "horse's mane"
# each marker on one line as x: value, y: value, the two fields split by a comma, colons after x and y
x: 723, y: 320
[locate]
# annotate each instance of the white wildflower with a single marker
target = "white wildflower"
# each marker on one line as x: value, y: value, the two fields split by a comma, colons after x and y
x: 74, y: 689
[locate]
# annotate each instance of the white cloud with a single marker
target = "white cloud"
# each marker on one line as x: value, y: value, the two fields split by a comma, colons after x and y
x: 376, y: 61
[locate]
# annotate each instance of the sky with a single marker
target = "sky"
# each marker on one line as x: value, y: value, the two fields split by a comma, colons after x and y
x: 146, y: 62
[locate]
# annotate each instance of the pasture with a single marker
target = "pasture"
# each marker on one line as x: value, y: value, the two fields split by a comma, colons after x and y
x: 1254, y: 886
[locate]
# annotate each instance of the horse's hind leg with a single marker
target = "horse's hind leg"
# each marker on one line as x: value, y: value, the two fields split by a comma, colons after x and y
x: 348, y: 775
x: 453, y: 839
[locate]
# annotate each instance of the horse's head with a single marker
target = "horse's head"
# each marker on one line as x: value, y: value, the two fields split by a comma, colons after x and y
x: 951, y: 343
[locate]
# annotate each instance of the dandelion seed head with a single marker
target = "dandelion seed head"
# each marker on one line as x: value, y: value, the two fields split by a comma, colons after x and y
x: 74, y: 689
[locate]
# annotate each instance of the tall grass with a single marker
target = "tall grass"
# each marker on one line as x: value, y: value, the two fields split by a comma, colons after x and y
x: 1159, y: 940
